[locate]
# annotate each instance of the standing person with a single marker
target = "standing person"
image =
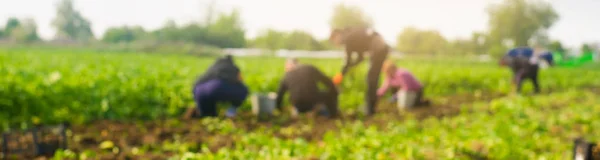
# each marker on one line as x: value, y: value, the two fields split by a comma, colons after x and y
x: 360, y: 41
x: 222, y: 82
x: 524, y: 64
x: 399, y: 79
x: 301, y: 81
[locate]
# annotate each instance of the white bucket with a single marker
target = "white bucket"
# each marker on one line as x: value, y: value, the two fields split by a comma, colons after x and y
x: 406, y: 99
x: 263, y: 104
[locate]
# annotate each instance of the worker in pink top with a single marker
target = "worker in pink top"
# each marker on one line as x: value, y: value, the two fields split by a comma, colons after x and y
x: 401, y: 79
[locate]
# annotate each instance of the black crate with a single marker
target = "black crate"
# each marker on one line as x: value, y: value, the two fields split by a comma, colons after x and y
x: 37, y: 141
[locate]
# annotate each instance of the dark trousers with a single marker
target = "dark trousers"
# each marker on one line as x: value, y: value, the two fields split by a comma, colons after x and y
x: 529, y: 72
x: 419, y: 98
x: 208, y: 94
x: 377, y: 60
x: 330, y: 100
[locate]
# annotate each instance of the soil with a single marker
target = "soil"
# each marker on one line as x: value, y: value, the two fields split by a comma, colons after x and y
x: 22, y: 143
x: 126, y: 137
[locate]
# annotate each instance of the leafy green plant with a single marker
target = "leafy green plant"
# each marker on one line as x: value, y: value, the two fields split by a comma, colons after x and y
x: 51, y: 86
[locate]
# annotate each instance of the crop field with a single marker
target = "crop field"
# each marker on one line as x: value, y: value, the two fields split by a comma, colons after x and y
x: 128, y: 105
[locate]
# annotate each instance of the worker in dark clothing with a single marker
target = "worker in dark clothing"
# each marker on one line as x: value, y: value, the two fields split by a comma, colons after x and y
x: 302, y: 83
x: 524, y: 63
x: 360, y: 41
x: 222, y: 82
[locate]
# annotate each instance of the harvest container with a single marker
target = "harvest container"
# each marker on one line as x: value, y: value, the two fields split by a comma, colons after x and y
x: 406, y: 99
x: 263, y: 104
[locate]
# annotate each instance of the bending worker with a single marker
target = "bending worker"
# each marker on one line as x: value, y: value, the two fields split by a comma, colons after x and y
x: 302, y: 82
x: 222, y: 82
x: 401, y: 80
x: 524, y: 64
x: 360, y: 41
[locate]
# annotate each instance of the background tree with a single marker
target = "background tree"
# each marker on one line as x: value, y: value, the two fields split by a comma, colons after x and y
x: 540, y: 38
x: 124, y: 34
x: 477, y: 44
x: 481, y: 42
x: 408, y: 40
x: 25, y: 31
x: 168, y: 33
x: 556, y: 46
x: 585, y: 48
x: 191, y: 33
x: 270, y: 39
x: 300, y: 40
x: 11, y: 24
x: 295, y: 40
x: 349, y: 16
x: 194, y: 33
x: 462, y: 46
x: 70, y: 24
x: 227, y: 31
x: 327, y: 45
x: 413, y: 40
x: 519, y: 20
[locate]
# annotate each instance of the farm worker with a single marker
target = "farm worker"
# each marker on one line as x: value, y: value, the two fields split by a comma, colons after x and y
x: 302, y: 80
x: 222, y: 82
x: 401, y: 80
x: 524, y: 63
x: 360, y: 41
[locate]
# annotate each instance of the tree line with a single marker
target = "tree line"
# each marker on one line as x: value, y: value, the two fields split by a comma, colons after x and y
x: 511, y: 23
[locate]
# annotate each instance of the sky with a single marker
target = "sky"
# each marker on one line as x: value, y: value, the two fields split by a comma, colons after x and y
x: 452, y: 18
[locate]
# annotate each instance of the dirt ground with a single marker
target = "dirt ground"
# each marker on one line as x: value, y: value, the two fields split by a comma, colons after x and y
x: 129, y: 136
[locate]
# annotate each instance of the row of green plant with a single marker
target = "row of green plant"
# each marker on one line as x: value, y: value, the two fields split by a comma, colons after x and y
x: 513, y: 127
x: 51, y: 86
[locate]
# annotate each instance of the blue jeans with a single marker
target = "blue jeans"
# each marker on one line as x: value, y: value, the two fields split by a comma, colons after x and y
x: 208, y: 94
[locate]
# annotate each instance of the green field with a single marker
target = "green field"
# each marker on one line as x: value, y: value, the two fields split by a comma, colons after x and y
x: 95, y: 91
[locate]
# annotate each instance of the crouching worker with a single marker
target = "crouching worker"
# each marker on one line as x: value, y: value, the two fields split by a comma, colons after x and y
x: 402, y: 83
x: 302, y: 83
x: 222, y: 82
x: 524, y: 64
